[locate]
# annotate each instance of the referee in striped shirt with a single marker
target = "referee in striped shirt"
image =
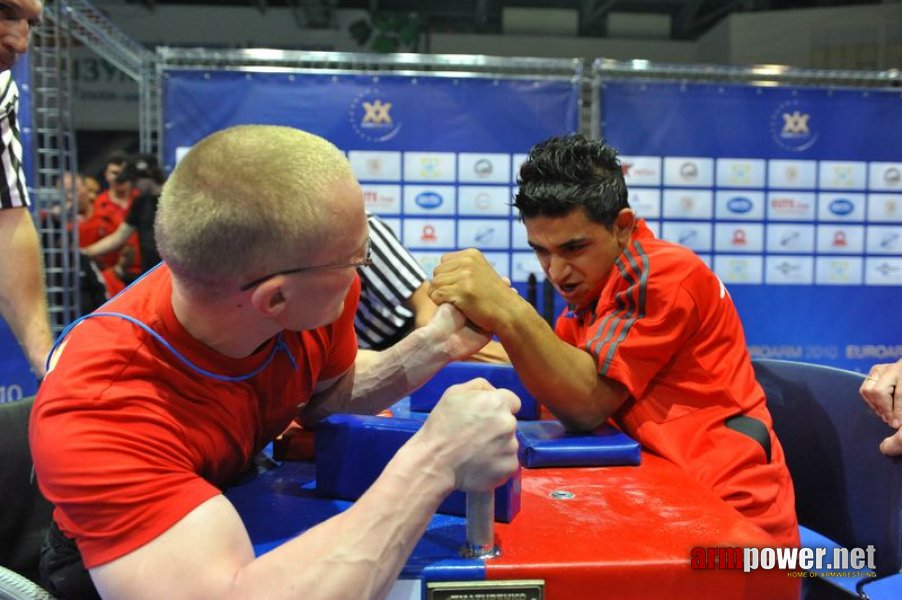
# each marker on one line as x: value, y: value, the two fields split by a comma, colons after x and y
x: 394, y: 296
x: 392, y: 291
x: 23, y: 302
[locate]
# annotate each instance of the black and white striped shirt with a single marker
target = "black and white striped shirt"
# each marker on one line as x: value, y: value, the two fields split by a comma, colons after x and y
x: 393, y: 277
x: 13, y: 192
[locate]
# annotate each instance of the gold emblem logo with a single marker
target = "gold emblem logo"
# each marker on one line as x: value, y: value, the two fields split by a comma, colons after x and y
x: 795, y: 123
x: 792, y: 127
x: 376, y: 112
x: 370, y: 114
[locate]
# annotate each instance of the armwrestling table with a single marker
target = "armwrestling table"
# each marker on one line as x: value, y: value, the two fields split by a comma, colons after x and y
x: 585, y: 532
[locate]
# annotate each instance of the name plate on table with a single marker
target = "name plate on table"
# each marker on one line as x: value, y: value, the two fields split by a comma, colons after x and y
x: 352, y: 451
x: 548, y: 444
x: 523, y: 589
x: 500, y: 376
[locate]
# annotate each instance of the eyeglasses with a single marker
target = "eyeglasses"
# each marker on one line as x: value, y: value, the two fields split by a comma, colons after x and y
x: 366, y: 261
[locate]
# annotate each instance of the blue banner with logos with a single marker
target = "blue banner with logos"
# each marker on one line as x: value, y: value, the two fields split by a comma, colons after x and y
x: 793, y: 196
x: 16, y: 378
x: 437, y: 157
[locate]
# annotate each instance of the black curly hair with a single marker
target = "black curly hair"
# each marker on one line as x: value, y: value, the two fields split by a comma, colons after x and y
x: 566, y: 172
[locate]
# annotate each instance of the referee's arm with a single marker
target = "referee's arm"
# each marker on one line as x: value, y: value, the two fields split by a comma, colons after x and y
x: 23, y: 303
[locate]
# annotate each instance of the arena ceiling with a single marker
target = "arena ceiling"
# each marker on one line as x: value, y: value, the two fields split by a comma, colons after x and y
x: 688, y: 18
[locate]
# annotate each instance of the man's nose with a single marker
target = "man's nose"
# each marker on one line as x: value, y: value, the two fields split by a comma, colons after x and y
x: 557, y: 268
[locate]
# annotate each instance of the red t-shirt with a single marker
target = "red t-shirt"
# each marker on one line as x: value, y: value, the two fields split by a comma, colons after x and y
x: 665, y: 327
x: 106, y: 211
x: 94, y: 228
x: 127, y: 439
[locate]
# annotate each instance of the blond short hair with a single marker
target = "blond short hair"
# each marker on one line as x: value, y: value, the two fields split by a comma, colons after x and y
x: 246, y: 201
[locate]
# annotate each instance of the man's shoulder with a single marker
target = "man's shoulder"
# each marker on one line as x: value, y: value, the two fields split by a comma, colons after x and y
x: 112, y: 337
x: 667, y: 258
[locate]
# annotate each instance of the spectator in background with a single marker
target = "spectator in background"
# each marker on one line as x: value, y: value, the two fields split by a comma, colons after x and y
x: 112, y: 205
x: 96, y: 285
x: 882, y: 390
x: 145, y: 177
x: 394, y: 296
x: 93, y: 186
x: 23, y: 301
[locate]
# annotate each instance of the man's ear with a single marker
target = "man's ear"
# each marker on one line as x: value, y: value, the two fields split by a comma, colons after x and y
x: 623, y: 226
x: 268, y: 299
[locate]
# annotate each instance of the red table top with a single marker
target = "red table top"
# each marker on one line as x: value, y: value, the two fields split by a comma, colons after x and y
x: 628, y: 532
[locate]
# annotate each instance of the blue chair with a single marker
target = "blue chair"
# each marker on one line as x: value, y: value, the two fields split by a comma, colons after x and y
x: 848, y: 494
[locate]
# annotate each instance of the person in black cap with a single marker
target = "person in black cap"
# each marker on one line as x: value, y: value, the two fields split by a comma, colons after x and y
x: 145, y: 175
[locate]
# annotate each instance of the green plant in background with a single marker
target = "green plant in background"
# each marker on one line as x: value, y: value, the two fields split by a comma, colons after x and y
x: 387, y: 32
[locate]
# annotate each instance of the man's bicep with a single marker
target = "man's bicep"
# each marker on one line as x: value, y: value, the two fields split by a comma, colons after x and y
x: 200, y: 556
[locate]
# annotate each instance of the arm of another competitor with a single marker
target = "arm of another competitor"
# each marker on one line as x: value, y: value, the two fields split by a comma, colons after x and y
x: 422, y: 306
x: 882, y: 390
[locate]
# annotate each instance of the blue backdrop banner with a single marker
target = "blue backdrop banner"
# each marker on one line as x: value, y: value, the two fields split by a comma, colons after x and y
x: 437, y: 157
x: 793, y: 195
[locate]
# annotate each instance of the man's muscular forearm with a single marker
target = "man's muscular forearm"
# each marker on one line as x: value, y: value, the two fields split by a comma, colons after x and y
x: 379, y: 379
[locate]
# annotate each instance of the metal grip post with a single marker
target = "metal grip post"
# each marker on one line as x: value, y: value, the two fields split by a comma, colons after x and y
x: 480, y: 526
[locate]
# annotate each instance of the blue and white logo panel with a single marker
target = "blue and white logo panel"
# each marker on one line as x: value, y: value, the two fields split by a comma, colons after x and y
x: 430, y: 166
x: 430, y: 233
x: 884, y: 239
x: 518, y: 236
x: 688, y: 204
x: 375, y: 165
x: 524, y: 264
x: 428, y: 260
x: 688, y: 171
x: 883, y: 270
x: 792, y: 174
x: 840, y: 239
x: 734, y: 205
x: 842, y: 175
x: 740, y: 172
x: 733, y: 269
x: 695, y: 236
x: 645, y: 202
x: 641, y: 170
x: 885, y: 208
x: 484, y: 200
x: 791, y: 206
x: 517, y: 162
x: 790, y: 239
x: 484, y: 234
x: 381, y: 199
x: 841, y: 207
x: 789, y: 270
x: 483, y: 168
x: 429, y: 200
x: 738, y: 237
x: 885, y: 176
x: 839, y: 270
